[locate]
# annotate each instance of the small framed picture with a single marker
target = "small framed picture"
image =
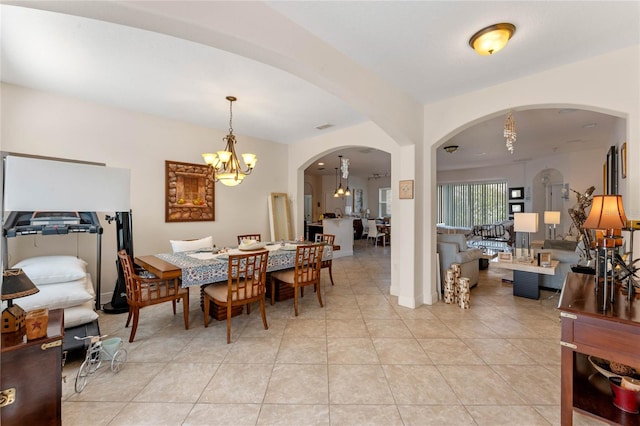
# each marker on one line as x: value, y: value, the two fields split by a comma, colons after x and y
x: 544, y: 259
x: 406, y: 189
x: 516, y: 208
x: 516, y: 193
x: 505, y: 257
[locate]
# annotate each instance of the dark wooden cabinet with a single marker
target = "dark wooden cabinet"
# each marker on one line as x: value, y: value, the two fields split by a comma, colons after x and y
x: 34, y: 370
x: 587, y: 330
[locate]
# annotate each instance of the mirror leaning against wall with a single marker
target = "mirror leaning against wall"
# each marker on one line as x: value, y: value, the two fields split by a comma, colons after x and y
x: 279, y: 217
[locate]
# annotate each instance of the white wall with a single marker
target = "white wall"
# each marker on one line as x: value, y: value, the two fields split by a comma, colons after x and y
x: 46, y: 124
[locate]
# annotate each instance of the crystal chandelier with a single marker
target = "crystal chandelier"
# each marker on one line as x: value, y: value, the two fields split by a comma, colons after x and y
x: 225, y: 164
x: 344, y: 168
x: 510, y: 131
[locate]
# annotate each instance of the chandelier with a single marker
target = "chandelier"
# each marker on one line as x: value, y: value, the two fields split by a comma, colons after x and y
x: 344, y: 168
x: 510, y: 131
x: 225, y: 164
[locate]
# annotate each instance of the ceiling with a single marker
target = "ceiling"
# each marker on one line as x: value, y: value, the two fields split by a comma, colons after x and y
x: 420, y: 48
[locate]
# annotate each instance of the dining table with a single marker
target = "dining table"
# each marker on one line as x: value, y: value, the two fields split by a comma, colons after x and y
x: 201, y: 267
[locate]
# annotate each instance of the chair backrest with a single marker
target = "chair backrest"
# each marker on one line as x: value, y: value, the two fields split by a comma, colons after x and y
x: 373, y: 228
x: 256, y: 237
x: 129, y: 275
x: 325, y: 238
x: 247, y: 275
x: 188, y: 245
x: 308, y: 262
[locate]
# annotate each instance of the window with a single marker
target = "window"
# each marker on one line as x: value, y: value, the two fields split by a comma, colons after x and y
x: 469, y: 204
x: 384, y: 203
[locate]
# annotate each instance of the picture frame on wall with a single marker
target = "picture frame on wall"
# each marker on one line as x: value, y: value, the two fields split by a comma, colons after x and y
x: 516, y: 193
x: 623, y: 161
x: 612, y: 169
x: 516, y: 208
x: 189, y: 192
x: 406, y: 189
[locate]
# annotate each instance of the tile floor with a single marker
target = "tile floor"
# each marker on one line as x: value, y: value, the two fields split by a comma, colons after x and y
x: 361, y: 359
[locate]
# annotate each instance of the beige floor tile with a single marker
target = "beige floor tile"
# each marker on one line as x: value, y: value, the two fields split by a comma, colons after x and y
x: 543, y: 351
x: 152, y: 414
x: 400, y: 351
x: 418, y: 384
x: 351, y: 350
x: 383, y: 312
x: 336, y: 312
x: 253, y: 350
x: 288, y: 414
x: 498, y: 351
x: 305, y: 327
x: 427, y: 329
x: 223, y: 415
x: 435, y: 415
x: 90, y: 413
x: 347, y: 415
x: 550, y: 412
x: 388, y: 328
x: 535, y: 384
x: 358, y: 384
x: 237, y: 384
x: 186, y: 381
x: 346, y: 328
x: 506, y: 416
x: 479, y: 385
x: 449, y: 352
x: 302, y: 350
x: 507, y: 327
x: 298, y: 384
x: 470, y: 329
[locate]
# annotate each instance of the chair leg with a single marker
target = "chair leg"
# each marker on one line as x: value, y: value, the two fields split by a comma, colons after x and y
x: 185, y: 308
x: 134, y: 327
x: 295, y: 299
x: 129, y: 317
x: 331, y: 272
x: 318, y: 291
x: 207, y: 302
x: 248, y: 308
x: 263, y: 313
x: 228, y: 322
x: 173, y: 303
x: 273, y: 290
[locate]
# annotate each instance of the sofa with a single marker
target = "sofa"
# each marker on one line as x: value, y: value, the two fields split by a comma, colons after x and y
x: 567, y: 253
x: 452, y: 248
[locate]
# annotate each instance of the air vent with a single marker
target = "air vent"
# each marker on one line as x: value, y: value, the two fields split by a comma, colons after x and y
x: 324, y: 126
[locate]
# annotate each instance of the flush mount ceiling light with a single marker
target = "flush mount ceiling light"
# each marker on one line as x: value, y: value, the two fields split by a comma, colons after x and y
x: 225, y: 164
x: 492, y: 39
x: 451, y: 148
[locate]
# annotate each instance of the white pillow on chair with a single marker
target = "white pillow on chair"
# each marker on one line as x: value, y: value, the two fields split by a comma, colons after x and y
x: 189, y: 245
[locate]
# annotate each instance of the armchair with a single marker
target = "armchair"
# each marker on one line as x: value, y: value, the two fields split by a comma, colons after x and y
x: 453, y: 249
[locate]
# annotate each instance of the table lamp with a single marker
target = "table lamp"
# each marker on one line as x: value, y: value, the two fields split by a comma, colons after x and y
x: 526, y: 223
x: 15, y: 284
x: 607, y: 214
x: 552, y: 218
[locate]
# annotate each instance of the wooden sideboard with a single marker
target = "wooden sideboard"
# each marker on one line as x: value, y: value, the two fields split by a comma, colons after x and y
x: 587, y: 330
x: 34, y: 370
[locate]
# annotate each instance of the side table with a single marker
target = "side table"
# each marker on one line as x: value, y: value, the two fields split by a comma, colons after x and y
x: 526, y: 276
x: 34, y: 370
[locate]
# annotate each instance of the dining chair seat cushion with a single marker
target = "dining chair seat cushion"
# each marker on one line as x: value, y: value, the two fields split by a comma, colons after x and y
x: 288, y: 276
x: 188, y: 245
x: 219, y: 292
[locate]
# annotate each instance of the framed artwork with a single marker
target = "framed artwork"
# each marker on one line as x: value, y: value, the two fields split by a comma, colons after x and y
x: 612, y: 169
x: 623, y: 161
x: 516, y: 208
x: 406, y: 189
x: 189, y: 192
x: 505, y: 257
x: 516, y: 193
x: 604, y: 179
x: 544, y: 259
x: 357, y: 201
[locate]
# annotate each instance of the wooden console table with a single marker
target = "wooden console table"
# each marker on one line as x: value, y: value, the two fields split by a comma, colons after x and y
x: 586, y: 330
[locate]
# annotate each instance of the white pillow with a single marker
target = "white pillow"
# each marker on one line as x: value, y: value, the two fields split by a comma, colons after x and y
x: 78, y: 315
x: 53, y: 269
x: 184, y: 245
x: 58, y: 296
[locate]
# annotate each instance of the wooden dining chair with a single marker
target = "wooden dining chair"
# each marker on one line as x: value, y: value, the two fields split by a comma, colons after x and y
x: 328, y: 239
x: 256, y: 237
x: 245, y: 285
x: 143, y: 292
x: 306, y: 272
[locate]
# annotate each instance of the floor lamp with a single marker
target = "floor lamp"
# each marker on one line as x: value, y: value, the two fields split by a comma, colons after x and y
x: 526, y: 223
x: 552, y: 218
x: 607, y: 214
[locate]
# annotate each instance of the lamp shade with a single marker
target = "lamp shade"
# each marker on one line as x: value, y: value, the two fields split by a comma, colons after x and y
x: 15, y: 283
x: 525, y: 222
x: 552, y: 217
x: 606, y: 213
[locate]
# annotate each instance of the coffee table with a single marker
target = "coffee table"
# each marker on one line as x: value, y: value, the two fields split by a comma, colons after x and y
x: 527, y: 276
